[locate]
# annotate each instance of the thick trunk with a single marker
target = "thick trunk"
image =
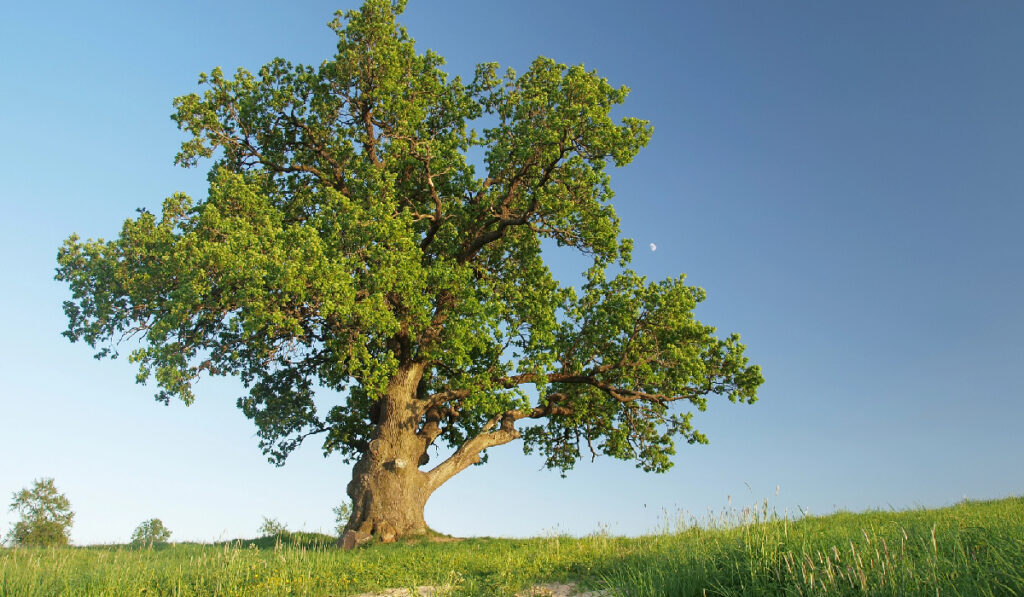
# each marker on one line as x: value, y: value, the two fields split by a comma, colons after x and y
x: 388, y: 494
x: 388, y: 490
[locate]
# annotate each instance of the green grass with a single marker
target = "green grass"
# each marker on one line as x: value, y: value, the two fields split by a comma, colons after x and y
x: 973, y: 548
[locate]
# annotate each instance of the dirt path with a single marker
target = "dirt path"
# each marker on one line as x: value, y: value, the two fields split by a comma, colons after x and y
x: 545, y: 590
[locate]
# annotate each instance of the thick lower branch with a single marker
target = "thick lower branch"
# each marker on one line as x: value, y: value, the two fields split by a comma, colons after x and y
x: 469, y: 453
x: 621, y: 394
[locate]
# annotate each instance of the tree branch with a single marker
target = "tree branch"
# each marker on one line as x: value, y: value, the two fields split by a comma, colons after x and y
x: 621, y: 394
x: 503, y: 220
x: 371, y: 139
x: 468, y: 453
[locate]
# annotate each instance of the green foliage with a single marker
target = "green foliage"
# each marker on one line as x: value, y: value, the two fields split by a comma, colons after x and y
x: 45, y: 513
x: 969, y: 549
x: 150, y: 532
x: 342, y: 512
x: 347, y: 236
x: 272, y: 527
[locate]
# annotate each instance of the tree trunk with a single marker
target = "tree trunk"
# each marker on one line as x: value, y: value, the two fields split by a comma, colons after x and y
x: 388, y: 490
x: 388, y: 493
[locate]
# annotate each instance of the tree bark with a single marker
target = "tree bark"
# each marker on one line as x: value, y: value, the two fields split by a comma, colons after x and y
x: 388, y: 497
x: 388, y: 490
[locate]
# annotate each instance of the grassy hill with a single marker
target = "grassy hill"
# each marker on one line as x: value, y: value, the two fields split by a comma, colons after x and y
x: 972, y: 548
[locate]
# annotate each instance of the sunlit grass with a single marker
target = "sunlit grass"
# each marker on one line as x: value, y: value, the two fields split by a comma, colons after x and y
x: 973, y: 548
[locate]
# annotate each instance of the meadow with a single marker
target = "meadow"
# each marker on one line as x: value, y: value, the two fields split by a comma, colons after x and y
x: 972, y: 548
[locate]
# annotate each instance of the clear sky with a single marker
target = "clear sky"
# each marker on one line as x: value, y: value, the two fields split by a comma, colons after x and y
x: 844, y: 179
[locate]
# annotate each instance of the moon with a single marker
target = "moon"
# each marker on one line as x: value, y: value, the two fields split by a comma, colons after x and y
x: 654, y: 247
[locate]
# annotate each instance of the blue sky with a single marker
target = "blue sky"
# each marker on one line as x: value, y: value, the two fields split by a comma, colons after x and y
x: 844, y: 179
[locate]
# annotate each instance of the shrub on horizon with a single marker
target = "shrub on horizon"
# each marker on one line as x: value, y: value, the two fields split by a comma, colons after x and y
x: 272, y: 527
x: 150, y: 532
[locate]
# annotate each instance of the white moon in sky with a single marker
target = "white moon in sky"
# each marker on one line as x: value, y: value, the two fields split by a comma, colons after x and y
x: 654, y: 247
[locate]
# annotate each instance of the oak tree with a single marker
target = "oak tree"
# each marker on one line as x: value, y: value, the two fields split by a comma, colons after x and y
x: 371, y: 283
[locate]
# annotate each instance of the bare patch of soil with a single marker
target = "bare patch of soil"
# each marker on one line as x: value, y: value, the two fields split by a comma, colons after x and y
x: 544, y: 590
x: 560, y: 590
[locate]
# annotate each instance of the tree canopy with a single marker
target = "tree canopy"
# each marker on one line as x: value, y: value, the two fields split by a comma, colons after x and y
x: 349, y: 244
x: 45, y: 515
x: 150, y: 532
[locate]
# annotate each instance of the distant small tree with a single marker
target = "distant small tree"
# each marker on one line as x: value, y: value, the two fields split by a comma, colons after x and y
x: 271, y: 527
x: 150, y: 532
x: 342, y: 513
x: 46, y: 515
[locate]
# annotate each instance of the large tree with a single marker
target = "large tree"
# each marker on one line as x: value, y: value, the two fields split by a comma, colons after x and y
x: 349, y: 248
